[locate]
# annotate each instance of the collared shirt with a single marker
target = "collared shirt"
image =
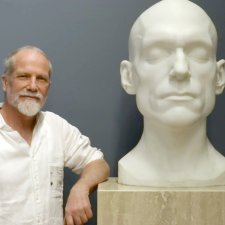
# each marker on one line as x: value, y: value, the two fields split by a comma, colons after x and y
x: 31, y: 176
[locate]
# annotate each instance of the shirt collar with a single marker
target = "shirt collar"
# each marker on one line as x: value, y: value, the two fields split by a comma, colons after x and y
x: 2, y: 121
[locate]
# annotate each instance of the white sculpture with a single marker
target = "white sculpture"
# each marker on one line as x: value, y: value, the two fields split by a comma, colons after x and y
x: 173, y: 72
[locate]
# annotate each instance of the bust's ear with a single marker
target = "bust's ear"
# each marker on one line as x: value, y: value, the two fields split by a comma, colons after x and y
x: 220, y: 78
x: 127, y: 79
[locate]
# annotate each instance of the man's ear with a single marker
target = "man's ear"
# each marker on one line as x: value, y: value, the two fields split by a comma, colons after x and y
x: 4, y: 82
x: 127, y: 79
x: 220, y: 78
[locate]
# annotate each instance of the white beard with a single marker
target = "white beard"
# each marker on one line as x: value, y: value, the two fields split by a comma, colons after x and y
x: 29, y: 107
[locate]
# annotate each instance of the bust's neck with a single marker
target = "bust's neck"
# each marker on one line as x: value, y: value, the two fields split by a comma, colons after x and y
x: 174, y: 146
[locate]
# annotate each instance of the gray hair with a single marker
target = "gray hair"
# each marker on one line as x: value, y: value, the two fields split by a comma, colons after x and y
x: 9, y: 62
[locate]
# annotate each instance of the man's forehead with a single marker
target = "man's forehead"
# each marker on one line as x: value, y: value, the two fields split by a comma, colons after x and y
x: 24, y: 53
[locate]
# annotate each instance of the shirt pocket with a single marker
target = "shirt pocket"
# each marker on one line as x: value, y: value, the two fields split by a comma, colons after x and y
x: 56, y: 194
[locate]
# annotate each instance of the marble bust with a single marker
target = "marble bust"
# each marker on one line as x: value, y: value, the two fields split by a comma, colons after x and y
x: 174, y: 74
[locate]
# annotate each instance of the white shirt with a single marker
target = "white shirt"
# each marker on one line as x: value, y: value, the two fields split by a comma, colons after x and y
x: 31, y: 176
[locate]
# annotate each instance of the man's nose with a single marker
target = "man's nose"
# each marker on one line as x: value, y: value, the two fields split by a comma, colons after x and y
x: 180, y: 70
x: 33, y: 84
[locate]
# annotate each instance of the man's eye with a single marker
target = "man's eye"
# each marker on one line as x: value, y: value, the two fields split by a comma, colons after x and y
x: 23, y: 76
x: 42, y: 79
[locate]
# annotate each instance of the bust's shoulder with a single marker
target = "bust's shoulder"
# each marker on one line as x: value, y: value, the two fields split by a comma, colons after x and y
x: 134, y: 169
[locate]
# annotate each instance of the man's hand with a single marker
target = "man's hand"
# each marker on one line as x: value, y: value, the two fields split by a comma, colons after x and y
x: 78, y: 208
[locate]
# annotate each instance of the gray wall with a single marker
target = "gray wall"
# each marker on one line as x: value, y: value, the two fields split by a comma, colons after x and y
x: 86, y: 40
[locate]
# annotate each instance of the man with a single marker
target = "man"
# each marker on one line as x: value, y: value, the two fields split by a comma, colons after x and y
x: 35, y: 146
x: 174, y: 74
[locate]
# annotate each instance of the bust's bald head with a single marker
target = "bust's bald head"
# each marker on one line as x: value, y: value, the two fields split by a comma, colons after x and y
x: 168, y: 13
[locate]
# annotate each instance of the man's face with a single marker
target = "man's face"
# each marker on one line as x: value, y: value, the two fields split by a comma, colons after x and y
x: 27, y: 87
x: 174, y: 69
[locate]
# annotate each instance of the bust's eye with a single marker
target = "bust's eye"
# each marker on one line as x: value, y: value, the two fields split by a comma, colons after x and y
x: 199, y: 53
x: 156, y: 54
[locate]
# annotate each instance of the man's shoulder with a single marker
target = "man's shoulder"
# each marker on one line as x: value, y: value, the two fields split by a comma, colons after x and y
x: 52, y: 118
x: 50, y: 115
x: 55, y: 121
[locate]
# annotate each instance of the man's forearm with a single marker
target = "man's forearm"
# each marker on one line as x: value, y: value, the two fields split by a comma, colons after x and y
x: 93, y: 174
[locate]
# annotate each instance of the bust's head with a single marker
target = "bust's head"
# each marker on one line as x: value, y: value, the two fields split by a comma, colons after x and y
x: 172, y: 67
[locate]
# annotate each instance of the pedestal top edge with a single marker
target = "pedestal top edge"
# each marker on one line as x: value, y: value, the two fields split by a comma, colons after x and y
x: 112, y: 185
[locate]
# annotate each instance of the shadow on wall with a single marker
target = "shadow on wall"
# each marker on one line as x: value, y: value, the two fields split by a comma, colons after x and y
x: 130, y: 127
x: 216, y: 125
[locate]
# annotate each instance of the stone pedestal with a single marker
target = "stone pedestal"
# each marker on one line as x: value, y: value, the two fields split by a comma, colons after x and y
x: 130, y: 205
